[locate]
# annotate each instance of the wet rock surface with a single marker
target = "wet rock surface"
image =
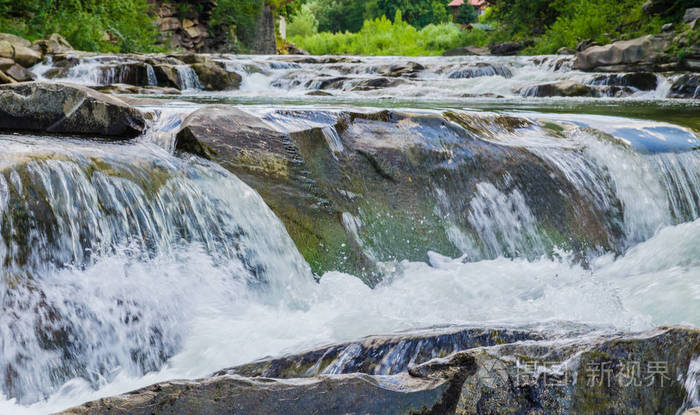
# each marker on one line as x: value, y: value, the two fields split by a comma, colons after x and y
x: 356, y: 188
x: 561, y: 89
x: 686, y: 86
x: 592, y: 373
x: 68, y: 109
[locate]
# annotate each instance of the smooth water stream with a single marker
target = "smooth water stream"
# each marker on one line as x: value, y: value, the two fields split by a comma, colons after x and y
x: 127, y: 264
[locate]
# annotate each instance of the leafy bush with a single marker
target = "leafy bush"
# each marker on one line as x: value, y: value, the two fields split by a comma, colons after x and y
x: 87, y: 24
x: 303, y: 23
x: 381, y: 36
x: 600, y: 20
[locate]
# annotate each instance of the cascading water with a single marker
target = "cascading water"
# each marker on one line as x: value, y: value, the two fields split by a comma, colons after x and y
x: 128, y: 264
x: 427, y: 78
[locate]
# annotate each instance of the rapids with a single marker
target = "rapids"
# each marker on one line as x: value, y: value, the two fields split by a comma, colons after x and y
x: 127, y: 264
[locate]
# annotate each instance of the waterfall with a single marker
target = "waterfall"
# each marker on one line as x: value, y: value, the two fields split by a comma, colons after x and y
x: 125, y: 264
x: 97, y: 245
x: 187, y: 78
x: 441, y: 78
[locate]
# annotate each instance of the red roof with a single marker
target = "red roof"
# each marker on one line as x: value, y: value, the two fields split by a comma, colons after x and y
x: 455, y: 3
x: 477, y: 2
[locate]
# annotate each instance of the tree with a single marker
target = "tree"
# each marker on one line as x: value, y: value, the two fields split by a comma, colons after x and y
x: 418, y: 13
x: 466, y: 14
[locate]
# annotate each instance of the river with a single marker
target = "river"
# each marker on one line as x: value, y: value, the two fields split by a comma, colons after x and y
x: 129, y: 263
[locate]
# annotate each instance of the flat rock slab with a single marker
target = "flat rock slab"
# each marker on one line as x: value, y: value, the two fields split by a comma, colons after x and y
x: 642, y: 373
x: 62, y: 108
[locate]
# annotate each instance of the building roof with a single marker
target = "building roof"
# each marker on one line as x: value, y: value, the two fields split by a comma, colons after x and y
x: 455, y: 3
x: 477, y: 3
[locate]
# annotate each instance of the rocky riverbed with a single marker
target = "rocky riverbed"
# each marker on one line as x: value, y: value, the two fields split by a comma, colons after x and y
x: 516, y: 234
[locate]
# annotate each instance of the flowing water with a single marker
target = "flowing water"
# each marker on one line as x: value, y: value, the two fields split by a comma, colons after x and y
x: 127, y: 264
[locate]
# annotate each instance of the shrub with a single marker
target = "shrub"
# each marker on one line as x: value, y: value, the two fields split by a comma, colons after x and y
x: 84, y: 23
x: 303, y: 23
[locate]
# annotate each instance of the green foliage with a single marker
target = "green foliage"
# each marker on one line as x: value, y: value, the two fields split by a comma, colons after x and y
x: 238, y: 19
x: 303, y: 23
x: 381, y: 36
x: 600, y: 20
x: 84, y: 23
x: 338, y: 15
x: 349, y: 15
x: 466, y: 14
x: 418, y: 13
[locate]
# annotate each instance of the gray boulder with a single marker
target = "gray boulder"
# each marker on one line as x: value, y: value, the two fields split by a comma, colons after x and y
x: 509, y: 48
x: 467, y: 51
x: 19, y: 73
x: 25, y: 56
x: 586, y: 373
x: 691, y: 15
x: 215, y: 78
x: 640, y: 54
x: 566, y: 51
x: 356, y: 188
x: 66, y: 109
x: 15, y: 40
x: 52, y: 45
x: 560, y: 89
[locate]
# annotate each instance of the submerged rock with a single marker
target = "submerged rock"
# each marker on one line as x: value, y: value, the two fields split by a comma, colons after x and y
x: 643, y: 81
x: 408, y: 69
x: 66, y: 108
x: 686, y: 86
x: 378, y: 83
x: 133, y: 89
x: 481, y: 69
x: 622, y: 374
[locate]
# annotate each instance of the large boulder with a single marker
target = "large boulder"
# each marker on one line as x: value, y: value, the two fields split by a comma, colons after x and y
x: 509, y: 48
x: 560, y: 89
x: 429, y: 390
x: 25, y: 56
x: 15, y: 40
x: 6, y: 50
x: 277, y: 167
x: 19, y: 73
x: 642, y: 373
x: 355, y: 189
x: 52, y: 45
x: 5, y: 63
x: 467, y: 51
x: 66, y: 109
x: 640, y: 54
x: 214, y: 78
